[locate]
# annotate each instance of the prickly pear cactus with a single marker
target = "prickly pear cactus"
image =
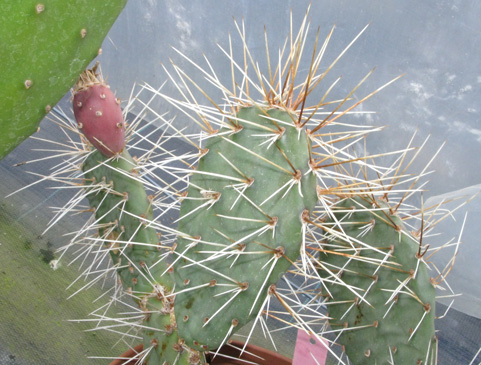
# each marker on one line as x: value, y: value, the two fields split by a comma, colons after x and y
x: 381, y: 298
x: 255, y: 199
x: 45, y: 46
x: 241, y: 223
x: 98, y: 113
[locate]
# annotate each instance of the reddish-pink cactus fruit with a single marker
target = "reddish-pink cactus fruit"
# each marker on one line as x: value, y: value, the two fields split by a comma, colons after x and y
x: 98, y: 113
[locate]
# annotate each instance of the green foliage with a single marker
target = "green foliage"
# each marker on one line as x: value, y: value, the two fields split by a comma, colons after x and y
x: 46, y: 44
x: 378, y: 285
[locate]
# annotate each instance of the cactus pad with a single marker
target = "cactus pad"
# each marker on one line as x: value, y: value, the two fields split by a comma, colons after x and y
x: 123, y: 208
x: 241, y: 224
x: 45, y: 46
x: 391, y: 319
x: 123, y: 193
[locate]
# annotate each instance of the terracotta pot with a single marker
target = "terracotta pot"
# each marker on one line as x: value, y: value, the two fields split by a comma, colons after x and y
x: 251, y: 353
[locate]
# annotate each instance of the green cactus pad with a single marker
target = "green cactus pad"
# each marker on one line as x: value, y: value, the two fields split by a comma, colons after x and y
x: 45, y: 46
x: 392, y: 318
x: 125, y: 205
x: 238, y: 223
x: 124, y: 209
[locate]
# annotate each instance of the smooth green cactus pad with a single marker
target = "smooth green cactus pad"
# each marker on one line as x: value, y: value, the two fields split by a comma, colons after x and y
x: 45, y: 44
x: 381, y: 298
x: 241, y: 223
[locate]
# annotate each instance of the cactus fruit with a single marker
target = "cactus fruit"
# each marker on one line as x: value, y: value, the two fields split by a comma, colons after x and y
x: 380, y: 294
x: 98, y: 113
x: 45, y: 46
x: 242, y: 219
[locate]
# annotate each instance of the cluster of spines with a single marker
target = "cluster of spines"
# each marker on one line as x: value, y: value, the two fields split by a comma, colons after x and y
x: 339, y: 172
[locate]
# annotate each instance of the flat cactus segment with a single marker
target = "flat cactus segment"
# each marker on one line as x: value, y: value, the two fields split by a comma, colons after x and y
x: 124, y: 205
x: 241, y: 223
x: 123, y: 209
x: 45, y: 46
x: 391, y: 320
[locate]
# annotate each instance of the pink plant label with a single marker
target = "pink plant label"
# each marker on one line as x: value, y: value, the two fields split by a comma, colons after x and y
x: 309, y: 350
